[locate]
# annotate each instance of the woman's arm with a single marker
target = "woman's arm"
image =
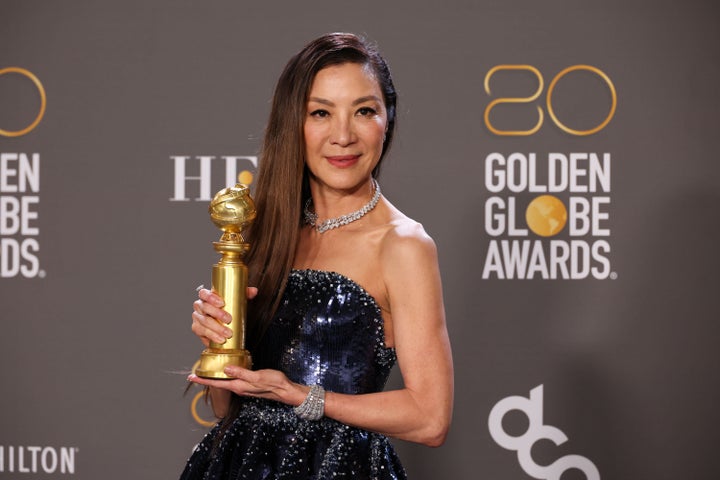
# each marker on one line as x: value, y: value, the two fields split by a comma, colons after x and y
x: 421, y: 411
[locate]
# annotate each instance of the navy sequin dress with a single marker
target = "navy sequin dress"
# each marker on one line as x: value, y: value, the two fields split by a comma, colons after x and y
x: 329, y: 331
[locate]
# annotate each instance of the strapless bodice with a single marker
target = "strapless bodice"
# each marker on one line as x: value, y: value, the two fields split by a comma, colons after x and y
x: 328, y: 330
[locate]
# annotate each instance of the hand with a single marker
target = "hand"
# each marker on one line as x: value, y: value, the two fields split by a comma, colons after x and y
x: 210, y: 320
x: 269, y: 384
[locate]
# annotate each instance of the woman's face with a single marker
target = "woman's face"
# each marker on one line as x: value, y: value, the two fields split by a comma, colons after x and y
x: 345, y: 126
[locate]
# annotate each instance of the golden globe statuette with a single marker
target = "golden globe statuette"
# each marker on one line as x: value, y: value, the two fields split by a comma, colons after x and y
x: 231, y: 210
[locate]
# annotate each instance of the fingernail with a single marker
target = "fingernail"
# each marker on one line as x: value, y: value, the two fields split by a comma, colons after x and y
x: 228, y: 333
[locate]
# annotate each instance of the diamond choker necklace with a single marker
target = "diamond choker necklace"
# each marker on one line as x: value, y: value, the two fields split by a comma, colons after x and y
x: 311, y: 217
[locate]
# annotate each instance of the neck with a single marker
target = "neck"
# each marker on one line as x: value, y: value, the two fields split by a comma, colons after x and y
x: 324, y: 224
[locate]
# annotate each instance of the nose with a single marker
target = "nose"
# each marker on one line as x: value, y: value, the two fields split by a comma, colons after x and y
x: 342, y: 132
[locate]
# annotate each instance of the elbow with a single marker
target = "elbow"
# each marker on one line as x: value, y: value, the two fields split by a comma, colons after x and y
x: 435, y: 426
x: 436, y: 440
x: 434, y: 434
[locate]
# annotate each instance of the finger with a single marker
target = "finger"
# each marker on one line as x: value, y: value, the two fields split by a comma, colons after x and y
x: 208, y: 382
x: 239, y: 373
x: 234, y: 385
x: 255, y: 383
x: 204, y: 326
x: 252, y: 382
x: 208, y: 310
x: 198, y: 307
x: 202, y: 333
x: 211, y: 297
x: 204, y: 339
x: 251, y: 292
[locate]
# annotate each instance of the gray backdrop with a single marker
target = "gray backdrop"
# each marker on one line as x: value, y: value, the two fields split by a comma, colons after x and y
x: 101, y: 253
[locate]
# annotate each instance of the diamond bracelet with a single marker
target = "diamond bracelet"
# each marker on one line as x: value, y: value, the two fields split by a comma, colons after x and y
x: 313, y: 407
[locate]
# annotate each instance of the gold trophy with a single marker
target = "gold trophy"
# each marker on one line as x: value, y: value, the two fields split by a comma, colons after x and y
x: 231, y: 210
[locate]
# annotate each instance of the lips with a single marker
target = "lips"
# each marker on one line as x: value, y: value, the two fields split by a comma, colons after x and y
x: 343, y: 161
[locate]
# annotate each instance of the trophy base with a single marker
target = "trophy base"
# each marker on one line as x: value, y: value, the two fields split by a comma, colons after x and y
x: 213, y: 362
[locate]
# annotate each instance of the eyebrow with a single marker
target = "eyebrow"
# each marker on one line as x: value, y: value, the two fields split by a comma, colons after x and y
x: 367, y: 98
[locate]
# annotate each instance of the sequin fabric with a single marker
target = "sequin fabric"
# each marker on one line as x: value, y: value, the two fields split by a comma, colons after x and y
x: 329, y: 331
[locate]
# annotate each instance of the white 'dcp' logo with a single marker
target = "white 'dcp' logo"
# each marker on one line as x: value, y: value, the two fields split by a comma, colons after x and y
x: 533, y: 408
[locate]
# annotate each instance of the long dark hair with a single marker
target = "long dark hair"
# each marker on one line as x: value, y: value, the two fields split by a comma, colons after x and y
x: 282, y: 183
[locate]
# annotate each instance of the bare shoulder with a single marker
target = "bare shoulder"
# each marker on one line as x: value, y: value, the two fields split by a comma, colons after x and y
x: 406, y: 241
x: 410, y: 272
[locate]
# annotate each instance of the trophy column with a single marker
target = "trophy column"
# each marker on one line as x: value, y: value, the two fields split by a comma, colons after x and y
x: 231, y: 210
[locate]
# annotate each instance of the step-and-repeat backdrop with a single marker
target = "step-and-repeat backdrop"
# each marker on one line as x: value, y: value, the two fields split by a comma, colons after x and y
x: 563, y: 155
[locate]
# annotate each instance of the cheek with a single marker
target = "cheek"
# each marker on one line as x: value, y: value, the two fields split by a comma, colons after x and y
x: 312, y: 137
x: 371, y: 128
x: 377, y: 132
x: 382, y: 125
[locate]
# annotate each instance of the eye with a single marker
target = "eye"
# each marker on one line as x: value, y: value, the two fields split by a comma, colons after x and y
x: 319, y: 113
x: 367, y: 112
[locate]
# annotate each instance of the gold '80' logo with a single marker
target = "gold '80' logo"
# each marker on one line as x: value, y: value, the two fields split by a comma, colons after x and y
x: 536, y: 95
x: 43, y: 101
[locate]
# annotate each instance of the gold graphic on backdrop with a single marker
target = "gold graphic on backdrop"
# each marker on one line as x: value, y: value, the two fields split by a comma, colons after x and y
x: 232, y: 211
x: 43, y: 102
x: 546, y: 215
x: 194, y: 410
x: 549, y: 100
x: 613, y: 95
x: 245, y: 177
x: 499, y: 101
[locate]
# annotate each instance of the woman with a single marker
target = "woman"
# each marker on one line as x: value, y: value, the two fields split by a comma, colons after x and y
x: 346, y: 284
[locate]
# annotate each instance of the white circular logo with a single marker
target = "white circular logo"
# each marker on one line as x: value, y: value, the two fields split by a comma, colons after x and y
x: 532, y: 407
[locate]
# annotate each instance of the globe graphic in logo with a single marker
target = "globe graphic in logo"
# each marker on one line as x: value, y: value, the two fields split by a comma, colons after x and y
x: 546, y: 215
